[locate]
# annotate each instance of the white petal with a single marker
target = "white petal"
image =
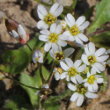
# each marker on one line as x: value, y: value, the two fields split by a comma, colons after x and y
x: 67, y: 33
x: 57, y: 76
x: 45, y: 32
x: 80, y: 20
x: 64, y: 66
x: 77, y: 63
x: 47, y: 47
x: 91, y: 95
x: 85, y: 59
x: 91, y: 48
x: 81, y: 68
x: 54, y: 46
x: 87, y: 50
x: 53, y: 28
x: 95, y: 87
x: 79, y: 41
x: 58, y: 29
x: 74, y: 97
x: 100, y: 51
x: 63, y: 75
x: 21, y: 31
x: 73, y: 79
x: 52, y: 54
x: 102, y: 58
x: 99, y: 66
x: 69, y: 62
x: 62, y: 43
x: 41, y: 11
x: 80, y: 100
x: 79, y: 79
x: 56, y: 9
x: 42, y: 25
x: 83, y: 37
x: 43, y: 38
x: 84, y: 26
x: 70, y: 20
x: 71, y: 87
x: 100, y: 80
x: 68, y: 51
x: 14, y: 34
x: 40, y: 59
x: 71, y: 38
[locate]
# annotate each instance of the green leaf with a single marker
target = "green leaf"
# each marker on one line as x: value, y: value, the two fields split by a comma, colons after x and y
x: 52, y: 103
x: 45, y: 73
x: 102, y: 40
x: 102, y: 15
x: 31, y: 81
x: 15, y: 61
x: 17, y: 102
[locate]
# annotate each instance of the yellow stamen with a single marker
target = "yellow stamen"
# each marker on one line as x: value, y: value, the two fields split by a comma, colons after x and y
x: 53, y: 37
x: 59, y: 55
x: 60, y: 70
x: 50, y: 19
x: 81, y: 89
x: 92, y: 59
x: 72, y: 71
x: 91, y: 79
x: 74, y: 30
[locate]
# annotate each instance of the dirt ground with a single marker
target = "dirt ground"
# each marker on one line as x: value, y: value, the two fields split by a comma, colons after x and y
x: 24, y: 12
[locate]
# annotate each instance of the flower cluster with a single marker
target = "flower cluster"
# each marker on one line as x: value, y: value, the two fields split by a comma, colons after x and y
x: 82, y: 75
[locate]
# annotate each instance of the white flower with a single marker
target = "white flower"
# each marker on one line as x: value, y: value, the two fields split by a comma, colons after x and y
x: 80, y: 92
x: 92, y: 81
x: 76, y: 28
x: 20, y: 34
x: 53, y: 38
x: 48, y: 18
x: 58, y: 54
x: 72, y: 70
x: 95, y: 58
x: 63, y: 23
x: 37, y: 56
x: 58, y: 73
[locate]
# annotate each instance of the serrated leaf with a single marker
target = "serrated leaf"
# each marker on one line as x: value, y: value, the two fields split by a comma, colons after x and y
x: 102, y: 15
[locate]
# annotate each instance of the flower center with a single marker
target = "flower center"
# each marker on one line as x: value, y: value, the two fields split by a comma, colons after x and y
x: 53, y: 37
x: 37, y: 58
x: 91, y: 79
x: 50, y: 19
x: 60, y: 70
x: 72, y: 72
x: 91, y: 59
x: 59, y: 55
x: 81, y: 89
x: 74, y: 30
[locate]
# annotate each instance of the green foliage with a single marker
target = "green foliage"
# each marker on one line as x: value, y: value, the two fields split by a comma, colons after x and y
x: 15, y: 61
x: 102, y: 40
x: 52, y: 103
x: 102, y: 15
x: 31, y: 81
x: 17, y: 102
x: 45, y: 73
